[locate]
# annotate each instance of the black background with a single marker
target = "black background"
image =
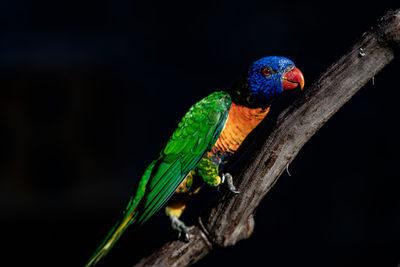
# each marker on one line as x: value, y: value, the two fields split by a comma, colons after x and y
x: 91, y: 89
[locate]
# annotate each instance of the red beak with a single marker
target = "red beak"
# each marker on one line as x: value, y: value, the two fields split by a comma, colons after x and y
x: 292, y: 79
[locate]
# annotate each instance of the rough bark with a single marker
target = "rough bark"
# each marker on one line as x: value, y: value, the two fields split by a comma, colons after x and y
x: 230, y: 219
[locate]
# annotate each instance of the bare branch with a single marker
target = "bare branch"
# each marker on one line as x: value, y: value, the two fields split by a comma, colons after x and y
x: 230, y: 219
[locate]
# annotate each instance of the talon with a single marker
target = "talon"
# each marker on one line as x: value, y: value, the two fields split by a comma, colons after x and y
x: 229, y: 181
x: 186, y: 236
x: 180, y: 226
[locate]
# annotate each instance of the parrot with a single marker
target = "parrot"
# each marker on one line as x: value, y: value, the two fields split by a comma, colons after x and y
x: 206, y: 137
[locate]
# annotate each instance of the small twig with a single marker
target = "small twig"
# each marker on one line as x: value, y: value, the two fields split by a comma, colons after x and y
x: 287, y: 169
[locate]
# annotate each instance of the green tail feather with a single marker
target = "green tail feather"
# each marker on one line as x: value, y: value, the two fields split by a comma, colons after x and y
x: 127, y: 220
x: 110, y: 240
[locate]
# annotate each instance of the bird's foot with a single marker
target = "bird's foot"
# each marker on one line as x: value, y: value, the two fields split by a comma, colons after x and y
x: 229, y: 182
x: 180, y: 226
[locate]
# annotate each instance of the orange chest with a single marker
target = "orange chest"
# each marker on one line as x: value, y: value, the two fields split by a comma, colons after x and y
x: 241, y: 121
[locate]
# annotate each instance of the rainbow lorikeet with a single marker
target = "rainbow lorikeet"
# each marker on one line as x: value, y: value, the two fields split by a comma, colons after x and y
x: 210, y: 132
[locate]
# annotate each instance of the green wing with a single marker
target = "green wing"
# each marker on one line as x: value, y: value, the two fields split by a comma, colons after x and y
x: 196, y: 134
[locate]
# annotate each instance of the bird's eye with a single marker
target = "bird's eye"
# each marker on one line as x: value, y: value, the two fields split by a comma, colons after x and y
x: 266, y: 72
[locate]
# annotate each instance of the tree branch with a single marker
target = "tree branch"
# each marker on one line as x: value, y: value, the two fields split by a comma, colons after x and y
x: 230, y: 219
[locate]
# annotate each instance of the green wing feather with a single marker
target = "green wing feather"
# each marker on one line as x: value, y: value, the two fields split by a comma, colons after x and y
x: 196, y: 134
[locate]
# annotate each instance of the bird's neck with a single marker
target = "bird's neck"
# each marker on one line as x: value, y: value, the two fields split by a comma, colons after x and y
x: 240, y: 123
x: 239, y: 92
x: 243, y: 94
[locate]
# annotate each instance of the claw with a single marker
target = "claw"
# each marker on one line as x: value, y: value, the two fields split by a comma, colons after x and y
x: 180, y: 226
x: 229, y: 182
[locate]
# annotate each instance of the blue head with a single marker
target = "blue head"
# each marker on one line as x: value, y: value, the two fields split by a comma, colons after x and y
x: 266, y: 79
